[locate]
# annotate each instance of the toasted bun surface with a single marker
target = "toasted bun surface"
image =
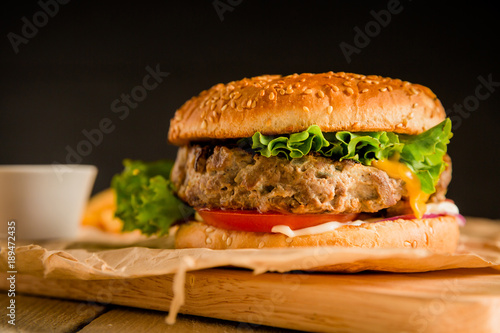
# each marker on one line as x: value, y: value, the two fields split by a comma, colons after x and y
x: 439, y: 234
x: 272, y: 104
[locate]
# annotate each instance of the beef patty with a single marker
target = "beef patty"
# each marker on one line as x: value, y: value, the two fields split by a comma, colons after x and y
x: 232, y: 178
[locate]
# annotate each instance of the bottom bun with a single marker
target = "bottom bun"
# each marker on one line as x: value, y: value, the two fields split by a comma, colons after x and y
x: 439, y: 234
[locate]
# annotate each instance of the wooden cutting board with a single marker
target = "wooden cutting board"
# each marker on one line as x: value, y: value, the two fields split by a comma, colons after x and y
x: 465, y: 300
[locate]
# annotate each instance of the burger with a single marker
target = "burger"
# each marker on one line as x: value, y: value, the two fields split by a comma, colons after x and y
x: 331, y: 159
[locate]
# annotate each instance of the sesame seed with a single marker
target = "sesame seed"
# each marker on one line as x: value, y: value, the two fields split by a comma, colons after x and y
x: 272, y: 96
x: 399, y: 125
x: 365, y: 90
x: 349, y: 91
x: 254, y: 104
x: 383, y: 89
x: 229, y: 241
x: 209, y: 229
x: 330, y: 109
x: 347, y: 83
x: 208, y: 240
x: 224, y: 237
x: 431, y: 230
x: 262, y: 93
x: 407, y: 244
x: 236, y: 95
x: 296, y: 85
x: 261, y: 245
x: 303, y: 79
x: 321, y: 94
x: 249, y: 103
x: 389, y: 88
x: 289, y: 90
x: 308, y: 91
x: 415, y: 105
x: 204, y: 124
x: 232, y: 104
x: 414, y: 244
x: 282, y: 91
x: 375, y: 82
x: 223, y: 107
x: 212, y: 107
x: 335, y: 88
x: 306, y: 109
x: 411, y: 115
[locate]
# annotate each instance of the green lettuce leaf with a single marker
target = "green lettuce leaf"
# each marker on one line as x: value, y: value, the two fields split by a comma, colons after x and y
x: 293, y: 146
x: 422, y: 153
x: 145, y: 197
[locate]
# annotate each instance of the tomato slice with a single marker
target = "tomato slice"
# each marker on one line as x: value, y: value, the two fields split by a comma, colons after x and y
x: 249, y: 220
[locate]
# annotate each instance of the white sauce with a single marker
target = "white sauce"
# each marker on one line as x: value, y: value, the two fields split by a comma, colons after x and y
x: 317, y: 229
x: 444, y: 207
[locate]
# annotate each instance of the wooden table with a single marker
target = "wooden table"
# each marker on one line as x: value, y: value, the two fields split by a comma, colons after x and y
x: 465, y: 299
x: 43, y: 314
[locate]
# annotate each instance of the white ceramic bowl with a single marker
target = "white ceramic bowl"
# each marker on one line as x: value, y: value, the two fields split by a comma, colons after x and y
x: 45, y: 201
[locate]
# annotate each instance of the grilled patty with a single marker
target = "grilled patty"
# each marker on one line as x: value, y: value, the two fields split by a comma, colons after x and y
x: 232, y: 178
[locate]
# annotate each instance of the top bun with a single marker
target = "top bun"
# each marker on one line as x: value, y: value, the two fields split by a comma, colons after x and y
x: 273, y: 104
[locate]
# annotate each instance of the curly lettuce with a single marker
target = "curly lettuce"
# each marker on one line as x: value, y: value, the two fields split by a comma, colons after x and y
x: 422, y: 153
x: 145, y: 197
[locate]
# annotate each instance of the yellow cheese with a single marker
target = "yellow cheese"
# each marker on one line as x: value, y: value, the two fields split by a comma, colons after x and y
x: 396, y: 169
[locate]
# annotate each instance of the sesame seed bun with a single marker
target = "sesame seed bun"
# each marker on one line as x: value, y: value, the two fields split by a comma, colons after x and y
x: 272, y: 104
x: 439, y: 234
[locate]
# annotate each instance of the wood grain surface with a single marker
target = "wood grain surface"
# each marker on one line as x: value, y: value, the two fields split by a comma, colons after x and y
x: 32, y: 314
x: 445, y: 301
x: 460, y: 300
x: 43, y: 314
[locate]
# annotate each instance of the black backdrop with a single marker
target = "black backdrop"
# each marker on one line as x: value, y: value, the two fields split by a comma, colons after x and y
x: 62, y: 71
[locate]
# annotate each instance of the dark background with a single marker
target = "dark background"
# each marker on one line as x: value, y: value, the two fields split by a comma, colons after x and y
x: 64, y: 79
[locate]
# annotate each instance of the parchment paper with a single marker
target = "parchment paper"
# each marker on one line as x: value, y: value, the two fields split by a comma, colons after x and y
x: 135, y: 255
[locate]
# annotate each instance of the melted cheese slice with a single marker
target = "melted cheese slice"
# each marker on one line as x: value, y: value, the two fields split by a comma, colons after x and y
x: 396, y: 169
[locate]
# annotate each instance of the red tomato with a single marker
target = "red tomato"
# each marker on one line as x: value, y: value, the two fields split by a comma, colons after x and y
x: 249, y: 220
